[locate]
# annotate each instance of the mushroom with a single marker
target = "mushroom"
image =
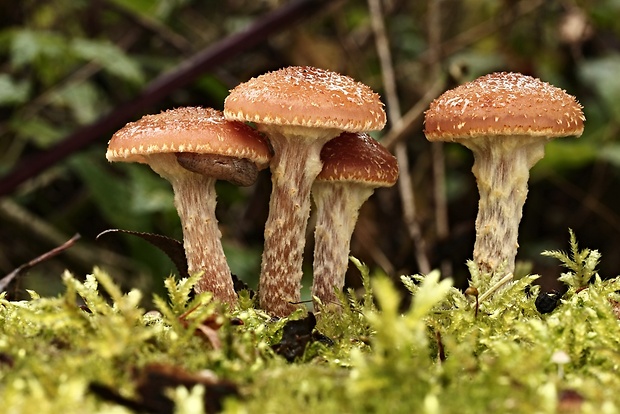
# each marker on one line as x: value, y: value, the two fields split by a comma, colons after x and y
x: 353, y: 166
x: 299, y: 109
x: 208, y: 148
x: 505, y: 119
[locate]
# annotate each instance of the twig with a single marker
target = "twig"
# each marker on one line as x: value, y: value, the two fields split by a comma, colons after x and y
x: 369, y: 242
x: 441, y: 202
x: 152, y: 25
x: 589, y: 202
x: 36, y: 226
x: 413, y: 116
x: 434, y: 36
x: 385, y: 57
x: 437, y: 148
x: 5, y: 281
x: 497, y: 286
x: 405, y: 184
x: 464, y: 39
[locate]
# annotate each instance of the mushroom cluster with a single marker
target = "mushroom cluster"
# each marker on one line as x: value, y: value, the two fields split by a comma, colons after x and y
x: 505, y: 119
x: 310, y: 129
x: 296, y: 111
x: 299, y: 109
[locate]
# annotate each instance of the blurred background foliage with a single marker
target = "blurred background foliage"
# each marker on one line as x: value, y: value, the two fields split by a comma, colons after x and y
x: 66, y: 63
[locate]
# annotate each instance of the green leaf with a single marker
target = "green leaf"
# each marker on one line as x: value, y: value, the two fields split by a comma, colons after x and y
x: 150, y: 192
x: 581, y: 263
x: 602, y: 75
x: 611, y: 154
x: 13, y: 92
x: 28, y: 45
x: 83, y: 99
x: 110, y: 57
x: 563, y: 154
x: 430, y: 293
x: 111, y: 193
x: 38, y: 131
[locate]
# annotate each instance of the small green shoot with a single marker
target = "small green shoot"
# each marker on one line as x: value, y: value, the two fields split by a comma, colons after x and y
x: 581, y: 263
x: 436, y: 355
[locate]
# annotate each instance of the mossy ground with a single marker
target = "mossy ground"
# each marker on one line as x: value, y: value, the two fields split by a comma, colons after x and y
x: 90, y: 350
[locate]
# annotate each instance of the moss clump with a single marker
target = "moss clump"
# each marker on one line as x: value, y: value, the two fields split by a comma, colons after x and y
x: 94, y: 350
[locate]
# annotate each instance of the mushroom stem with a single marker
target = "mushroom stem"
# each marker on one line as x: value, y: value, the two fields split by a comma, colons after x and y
x: 502, y: 171
x: 195, y: 201
x: 294, y: 167
x: 337, y: 209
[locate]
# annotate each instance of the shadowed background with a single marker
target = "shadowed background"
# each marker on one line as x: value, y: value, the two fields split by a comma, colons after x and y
x: 73, y: 72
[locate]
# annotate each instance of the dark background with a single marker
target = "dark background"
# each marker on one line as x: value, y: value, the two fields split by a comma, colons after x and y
x: 67, y: 63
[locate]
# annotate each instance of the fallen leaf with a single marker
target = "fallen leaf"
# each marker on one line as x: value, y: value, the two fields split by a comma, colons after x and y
x: 171, y: 247
x: 296, y: 335
x: 153, y: 381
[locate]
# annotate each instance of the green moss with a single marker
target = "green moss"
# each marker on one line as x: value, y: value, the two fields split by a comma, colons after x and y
x: 437, y: 356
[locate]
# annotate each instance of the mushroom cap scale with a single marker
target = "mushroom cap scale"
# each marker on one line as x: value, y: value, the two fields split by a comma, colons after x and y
x: 188, y: 129
x: 358, y: 158
x: 308, y: 97
x: 503, y: 104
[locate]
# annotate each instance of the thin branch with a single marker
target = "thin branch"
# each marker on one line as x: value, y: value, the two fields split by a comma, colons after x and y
x: 368, y: 242
x: 434, y: 37
x: 496, y: 287
x: 405, y: 184
x: 385, y: 57
x: 592, y: 203
x: 413, y: 116
x: 37, y: 227
x: 152, y: 25
x: 6, y: 280
x: 437, y: 148
x: 483, y: 30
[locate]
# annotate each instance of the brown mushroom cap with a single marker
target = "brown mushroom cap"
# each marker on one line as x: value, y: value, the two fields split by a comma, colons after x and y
x: 503, y: 104
x: 309, y: 97
x: 358, y: 158
x: 354, y: 164
x: 188, y: 129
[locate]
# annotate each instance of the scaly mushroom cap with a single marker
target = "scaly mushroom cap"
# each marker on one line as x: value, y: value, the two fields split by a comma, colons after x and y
x: 217, y: 149
x: 309, y: 97
x: 505, y: 119
x: 188, y: 129
x: 503, y: 104
x: 358, y: 158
